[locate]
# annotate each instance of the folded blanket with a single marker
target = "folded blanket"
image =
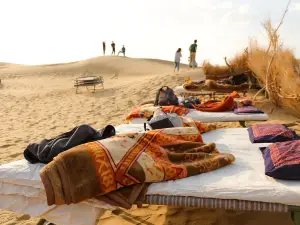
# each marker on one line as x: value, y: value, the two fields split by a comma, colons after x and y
x: 247, y: 109
x: 227, y: 104
x: 103, y: 168
x: 47, y: 149
x: 282, y: 160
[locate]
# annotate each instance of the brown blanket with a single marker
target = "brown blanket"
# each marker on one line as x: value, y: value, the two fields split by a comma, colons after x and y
x: 117, y: 169
x: 211, y: 85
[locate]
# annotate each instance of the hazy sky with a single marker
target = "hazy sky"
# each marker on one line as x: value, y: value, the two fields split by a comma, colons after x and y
x: 52, y: 31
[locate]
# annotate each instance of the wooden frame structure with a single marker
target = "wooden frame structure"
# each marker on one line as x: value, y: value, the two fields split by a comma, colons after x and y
x: 88, y: 81
x: 214, y: 203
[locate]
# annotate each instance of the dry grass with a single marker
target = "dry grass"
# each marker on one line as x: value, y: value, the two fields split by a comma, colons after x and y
x: 240, y: 61
x: 277, y: 69
x: 237, y: 63
x: 210, y: 69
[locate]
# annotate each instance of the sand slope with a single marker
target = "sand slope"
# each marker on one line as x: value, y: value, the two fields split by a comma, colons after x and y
x: 40, y: 102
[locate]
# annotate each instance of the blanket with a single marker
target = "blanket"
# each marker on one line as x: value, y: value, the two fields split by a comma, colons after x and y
x: 47, y: 149
x: 146, y: 111
x: 228, y: 104
x: 117, y: 168
x: 211, y: 85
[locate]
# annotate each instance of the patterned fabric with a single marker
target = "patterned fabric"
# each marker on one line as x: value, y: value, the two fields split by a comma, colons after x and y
x: 102, y: 167
x: 270, y: 133
x: 247, y: 109
x: 282, y: 160
x: 202, y: 127
x: 212, y: 203
x: 146, y: 111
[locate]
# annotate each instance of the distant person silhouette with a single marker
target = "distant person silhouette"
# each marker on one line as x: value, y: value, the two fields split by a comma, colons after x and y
x: 113, y: 46
x: 122, y: 51
x: 177, y: 59
x: 193, y: 50
x: 104, y: 47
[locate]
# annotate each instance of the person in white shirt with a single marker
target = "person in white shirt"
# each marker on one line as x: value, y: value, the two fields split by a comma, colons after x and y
x: 177, y: 59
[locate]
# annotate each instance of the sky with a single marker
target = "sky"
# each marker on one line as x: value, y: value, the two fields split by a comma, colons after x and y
x: 55, y: 31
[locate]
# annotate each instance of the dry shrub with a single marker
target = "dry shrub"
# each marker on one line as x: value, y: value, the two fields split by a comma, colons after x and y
x: 237, y: 64
x: 210, y: 69
x: 276, y: 68
x: 240, y: 61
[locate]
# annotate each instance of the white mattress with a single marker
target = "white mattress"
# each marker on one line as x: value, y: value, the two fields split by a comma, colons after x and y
x: 22, y: 191
x: 210, y: 117
x: 219, y: 116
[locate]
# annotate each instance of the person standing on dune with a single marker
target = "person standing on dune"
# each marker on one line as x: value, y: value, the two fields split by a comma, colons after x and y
x: 104, y: 47
x: 193, y: 50
x: 177, y: 59
x: 113, y: 46
x: 122, y: 51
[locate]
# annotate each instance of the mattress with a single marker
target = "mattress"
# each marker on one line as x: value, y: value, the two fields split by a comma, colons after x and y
x: 210, y: 117
x: 21, y: 189
x: 179, y: 90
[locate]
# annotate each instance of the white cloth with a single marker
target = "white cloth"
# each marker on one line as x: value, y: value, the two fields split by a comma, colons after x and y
x: 245, y: 179
x: 210, y: 117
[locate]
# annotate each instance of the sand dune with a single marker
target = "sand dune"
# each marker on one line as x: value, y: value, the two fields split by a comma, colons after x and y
x: 40, y: 101
x: 99, y: 65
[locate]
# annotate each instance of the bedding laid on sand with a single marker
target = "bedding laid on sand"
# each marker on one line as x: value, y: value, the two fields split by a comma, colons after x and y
x: 210, y: 117
x: 22, y: 191
x: 141, y: 114
x: 227, y: 104
x: 211, y: 85
x: 117, y: 168
x: 146, y: 111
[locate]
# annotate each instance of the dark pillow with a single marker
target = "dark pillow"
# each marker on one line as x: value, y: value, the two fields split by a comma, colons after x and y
x: 270, y: 133
x: 247, y: 109
x: 282, y: 160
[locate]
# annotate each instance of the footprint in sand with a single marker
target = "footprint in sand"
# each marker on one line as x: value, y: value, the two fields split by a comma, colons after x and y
x: 130, y: 103
x: 23, y: 217
x: 6, y: 145
x: 15, y: 155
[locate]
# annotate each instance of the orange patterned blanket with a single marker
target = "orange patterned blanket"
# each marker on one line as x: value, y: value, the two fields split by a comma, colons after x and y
x: 117, y: 169
x: 146, y: 111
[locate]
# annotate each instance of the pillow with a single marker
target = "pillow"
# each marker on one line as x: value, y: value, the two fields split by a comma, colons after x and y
x: 247, y: 109
x: 266, y: 133
x: 282, y: 160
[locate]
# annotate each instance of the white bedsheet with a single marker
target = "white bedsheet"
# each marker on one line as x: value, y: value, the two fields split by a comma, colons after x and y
x: 210, y: 117
x: 244, y: 179
x: 23, y: 191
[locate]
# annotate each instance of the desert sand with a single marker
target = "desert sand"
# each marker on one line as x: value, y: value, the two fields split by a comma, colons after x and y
x: 40, y: 101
